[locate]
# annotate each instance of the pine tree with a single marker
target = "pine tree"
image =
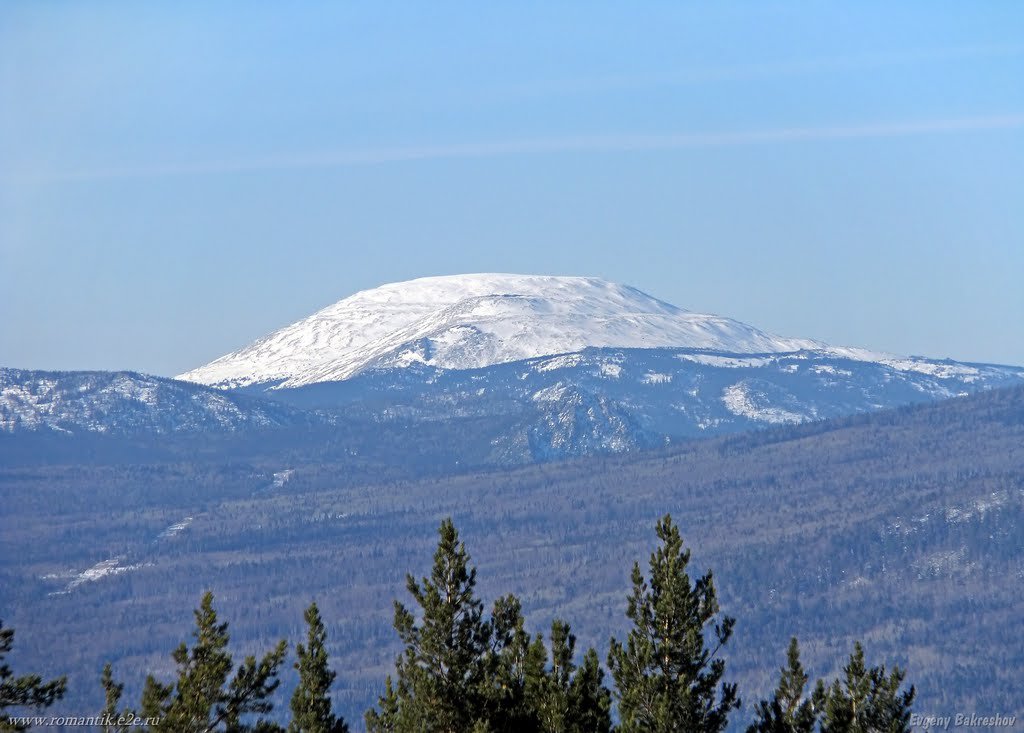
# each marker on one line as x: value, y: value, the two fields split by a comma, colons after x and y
x: 890, y: 709
x: 26, y: 691
x: 590, y: 701
x: 665, y: 674
x: 441, y: 675
x: 513, y: 666
x: 788, y: 711
x: 203, y: 699
x: 553, y: 703
x: 867, y: 699
x: 311, y: 702
x: 462, y: 671
x: 564, y: 698
x: 385, y: 721
x: 112, y: 693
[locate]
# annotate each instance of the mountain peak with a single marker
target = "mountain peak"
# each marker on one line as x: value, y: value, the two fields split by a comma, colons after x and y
x: 475, y: 320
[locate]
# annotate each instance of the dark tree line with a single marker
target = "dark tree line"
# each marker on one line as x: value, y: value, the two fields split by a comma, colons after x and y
x: 464, y: 669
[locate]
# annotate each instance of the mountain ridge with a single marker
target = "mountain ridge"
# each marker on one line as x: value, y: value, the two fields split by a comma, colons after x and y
x: 889, y: 520
x: 126, y: 402
x: 552, y: 366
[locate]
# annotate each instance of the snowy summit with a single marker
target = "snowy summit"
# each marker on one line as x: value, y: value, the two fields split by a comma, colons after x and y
x: 472, y: 321
x: 583, y: 365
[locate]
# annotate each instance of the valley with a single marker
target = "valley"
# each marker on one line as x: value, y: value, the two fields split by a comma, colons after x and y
x: 901, y: 528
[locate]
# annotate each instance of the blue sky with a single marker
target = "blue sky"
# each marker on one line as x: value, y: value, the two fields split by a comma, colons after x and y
x: 177, y: 179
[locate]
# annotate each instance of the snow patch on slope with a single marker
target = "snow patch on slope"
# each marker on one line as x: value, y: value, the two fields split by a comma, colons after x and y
x: 751, y: 400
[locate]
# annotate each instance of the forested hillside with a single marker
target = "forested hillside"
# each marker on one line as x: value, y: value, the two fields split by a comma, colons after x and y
x: 902, y: 529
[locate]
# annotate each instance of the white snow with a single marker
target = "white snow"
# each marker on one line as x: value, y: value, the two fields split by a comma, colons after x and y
x: 559, y: 362
x: 282, y: 477
x: 725, y: 362
x: 554, y: 393
x: 611, y: 370
x: 474, y: 321
x: 829, y: 369
x: 471, y: 321
x: 98, y: 571
x: 940, y: 369
x: 740, y: 399
x: 111, y: 401
x: 175, y: 528
x: 943, y: 563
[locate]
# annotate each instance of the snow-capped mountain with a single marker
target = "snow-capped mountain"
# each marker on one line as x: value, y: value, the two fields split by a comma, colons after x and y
x: 464, y: 322
x: 583, y: 364
x: 474, y: 321
x: 553, y: 366
x: 129, y: 403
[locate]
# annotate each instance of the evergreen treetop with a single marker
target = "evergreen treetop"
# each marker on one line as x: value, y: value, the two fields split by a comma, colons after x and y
x: 311, y: 702
x: 867, y: 699
x: 789, y: 711
x: 441, y: 673
x: 203, y: 699
x: 666, y: 675
x: 462, y: 671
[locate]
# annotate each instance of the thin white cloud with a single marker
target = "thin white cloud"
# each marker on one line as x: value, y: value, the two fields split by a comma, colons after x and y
x: 596, y: 144
x: 762, y: 71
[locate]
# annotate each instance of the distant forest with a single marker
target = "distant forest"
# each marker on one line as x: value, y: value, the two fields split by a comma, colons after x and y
x: 464, y: 670
x: 901, y: 529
